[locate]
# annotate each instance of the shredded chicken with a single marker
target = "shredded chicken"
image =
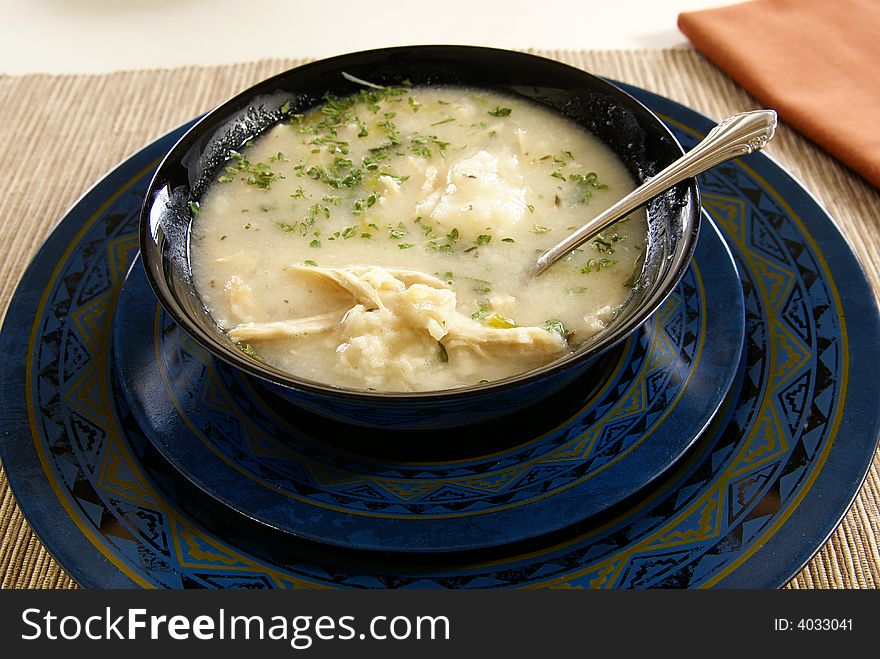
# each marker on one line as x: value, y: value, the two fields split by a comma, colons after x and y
x: 366, y: 284
x: 472, y: 334
x: 395, y: 321
x: 240, y: 298
x: 285, y: 329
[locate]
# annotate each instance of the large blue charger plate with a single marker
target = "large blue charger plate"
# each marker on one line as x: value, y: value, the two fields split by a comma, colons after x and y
x: 754, y: 498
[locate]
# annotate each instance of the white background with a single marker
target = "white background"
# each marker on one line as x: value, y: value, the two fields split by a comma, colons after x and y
x: 92, y: 36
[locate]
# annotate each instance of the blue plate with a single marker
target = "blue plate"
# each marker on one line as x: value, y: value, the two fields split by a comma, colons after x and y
x: 752, y: 500
x: 530, y: 473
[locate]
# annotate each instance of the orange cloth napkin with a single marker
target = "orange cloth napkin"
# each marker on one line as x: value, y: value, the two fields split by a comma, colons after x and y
x: 817, y: 62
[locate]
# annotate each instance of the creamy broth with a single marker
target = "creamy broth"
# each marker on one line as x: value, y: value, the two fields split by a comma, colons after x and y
x: 383, y: 241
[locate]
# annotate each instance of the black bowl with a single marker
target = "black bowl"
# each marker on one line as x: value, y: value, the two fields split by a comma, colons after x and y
x: 634, y: 133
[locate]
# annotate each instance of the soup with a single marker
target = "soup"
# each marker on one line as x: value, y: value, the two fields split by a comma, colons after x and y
x: 382, y: 241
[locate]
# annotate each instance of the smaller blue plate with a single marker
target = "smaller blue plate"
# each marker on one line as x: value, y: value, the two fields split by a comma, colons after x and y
x: 533, y: 472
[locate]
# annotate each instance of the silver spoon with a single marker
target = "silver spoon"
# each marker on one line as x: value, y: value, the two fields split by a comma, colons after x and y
x: 736, y: 136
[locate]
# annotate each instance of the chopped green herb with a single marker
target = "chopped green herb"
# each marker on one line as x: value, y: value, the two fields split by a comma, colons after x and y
x: 348, y: 232
x: 482, y: 313
x: 500, y: 112
x: 442, y: 355
x: 405, y: 245
x: 602, y: 245
x: 194, y: 207
x: 537, y: 228
x: 396, y: 178
x: 531, y: 208
x: 441, y: 146
x: 594, y: 265
x: 250, y: 352
x: 259, y: 174
x: 362, y: 205
x: 315, y: 243
x: 391, y: 131
x: 318, y: 209
x: 309, y: 262
x: 483, y: 239
x: 340, y: 173
x: 584, y: 186
x: 447, y: 120
x: 508, y: 240
x: 414, y: 104
x: 554, y: 325
x: 591, y: 178
x: 418, y: 146
x: 445, y: 248
x: 398, y: 233
x: 480, y: 285
x: 557, y: 174
x: 427, y: 229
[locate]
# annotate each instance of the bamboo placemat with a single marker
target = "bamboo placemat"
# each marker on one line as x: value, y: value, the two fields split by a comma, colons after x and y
x: 61, y: 133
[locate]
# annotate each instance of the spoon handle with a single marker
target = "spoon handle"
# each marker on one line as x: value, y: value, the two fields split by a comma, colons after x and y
x: 736, y: 136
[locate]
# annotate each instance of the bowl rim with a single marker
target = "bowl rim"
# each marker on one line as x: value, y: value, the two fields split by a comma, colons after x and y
x: 238, y: 359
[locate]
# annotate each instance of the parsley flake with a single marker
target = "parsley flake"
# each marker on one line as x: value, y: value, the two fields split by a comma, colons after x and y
x: 500, y: 112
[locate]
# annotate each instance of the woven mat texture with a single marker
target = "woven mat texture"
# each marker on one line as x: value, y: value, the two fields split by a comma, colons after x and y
x: 62, y: 133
